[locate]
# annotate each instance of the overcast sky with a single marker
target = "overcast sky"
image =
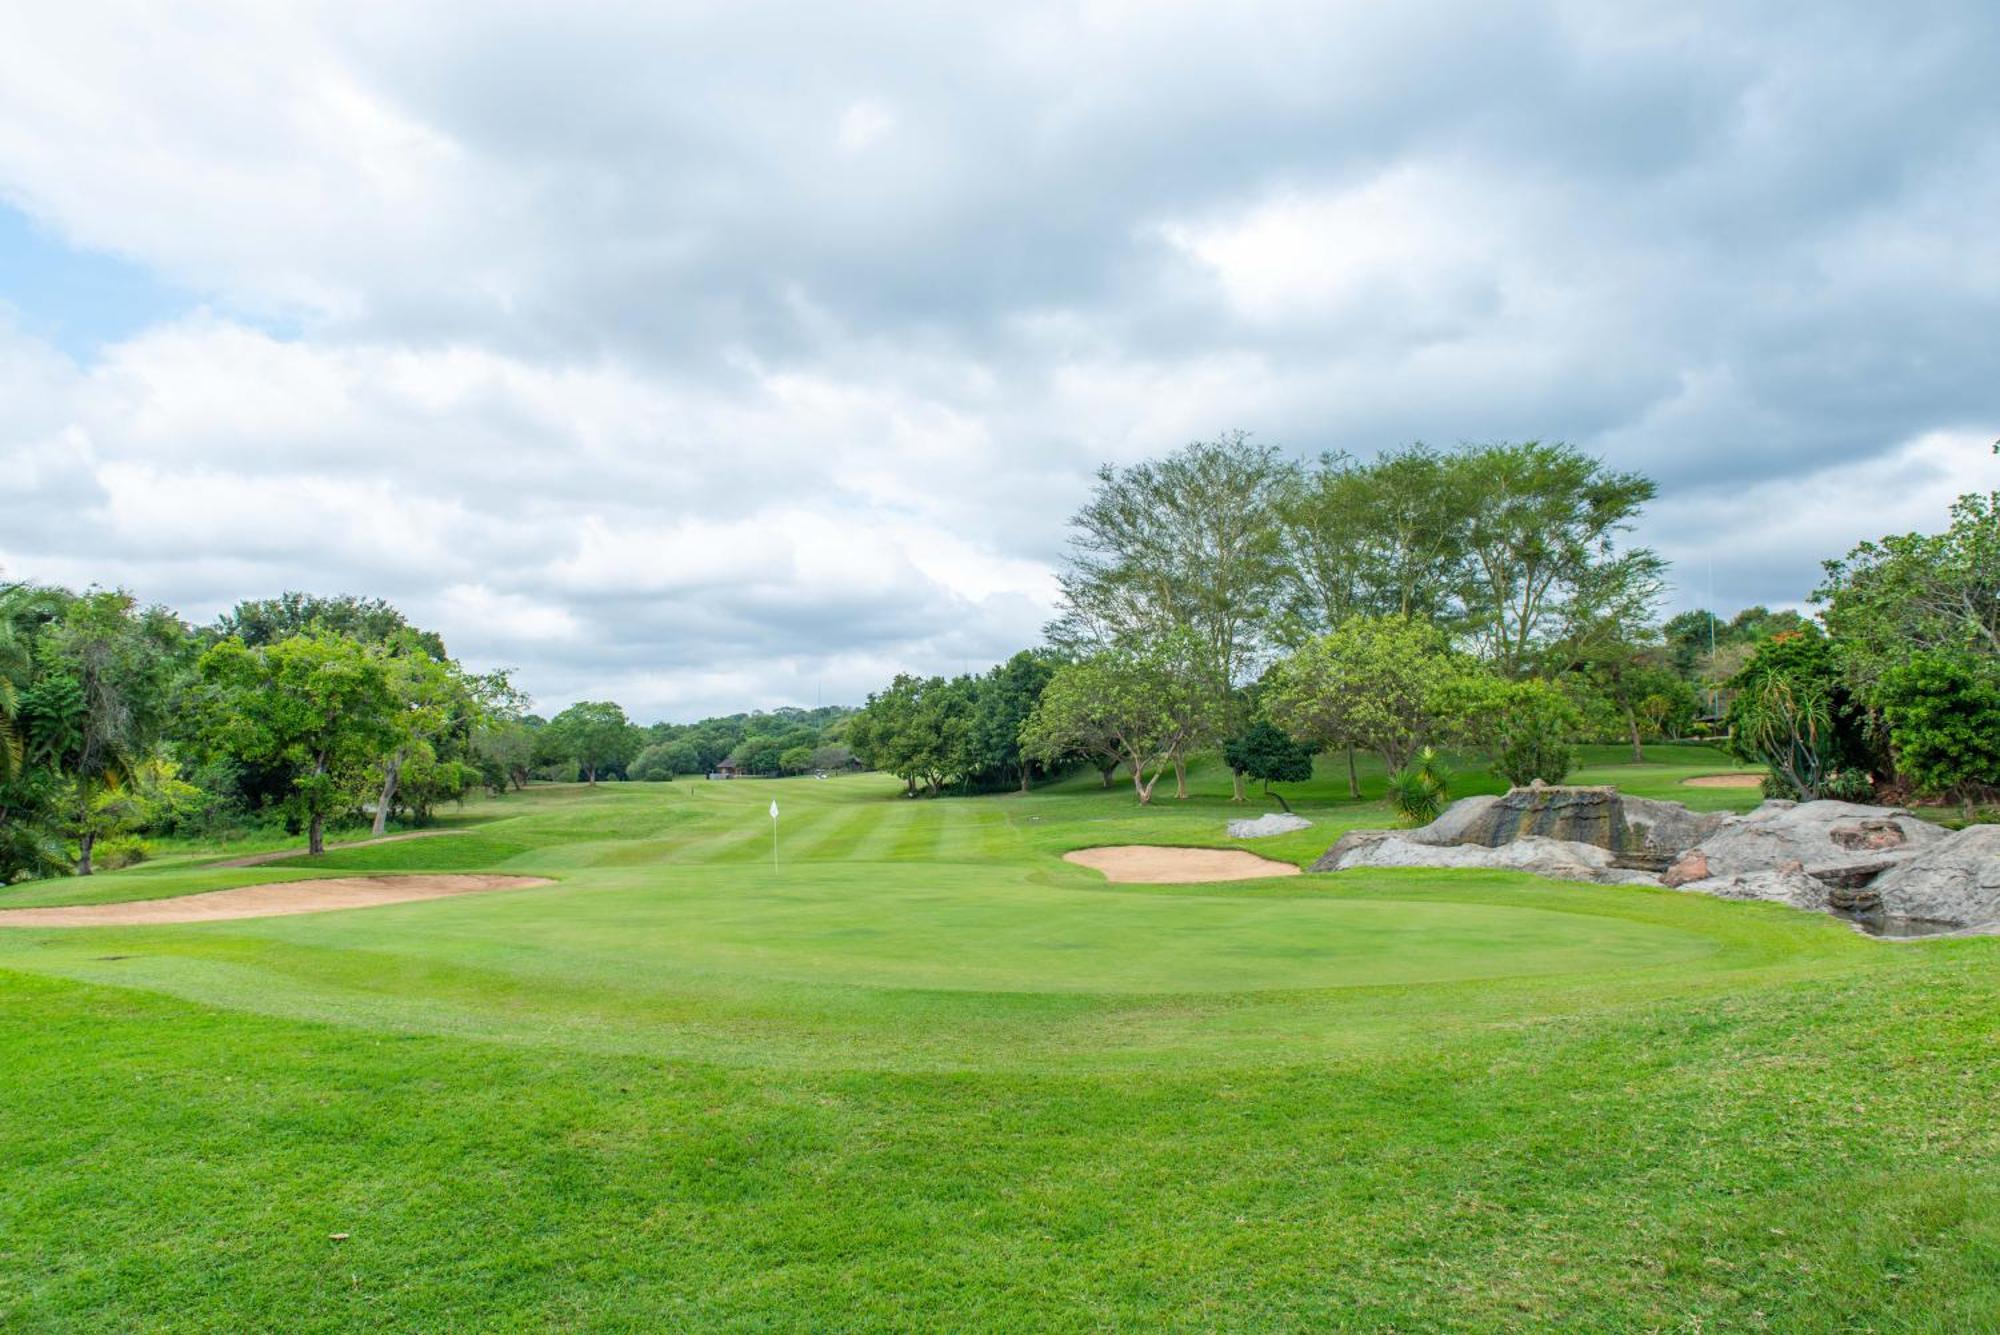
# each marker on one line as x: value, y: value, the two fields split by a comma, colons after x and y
x: 739, y: 355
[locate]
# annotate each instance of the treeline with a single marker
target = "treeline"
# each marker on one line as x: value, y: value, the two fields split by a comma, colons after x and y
x: 120, y: 723
x: 1895, y: 692
x: 1228, y: 598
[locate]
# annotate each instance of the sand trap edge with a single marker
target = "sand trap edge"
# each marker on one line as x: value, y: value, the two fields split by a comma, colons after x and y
x: 272, y: 899
x: 1154, y: 864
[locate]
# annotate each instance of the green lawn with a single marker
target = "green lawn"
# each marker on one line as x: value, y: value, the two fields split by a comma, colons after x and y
x: 925, y: 1075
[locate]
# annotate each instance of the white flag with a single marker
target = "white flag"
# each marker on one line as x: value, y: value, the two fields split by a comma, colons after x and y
x: 774, y: 811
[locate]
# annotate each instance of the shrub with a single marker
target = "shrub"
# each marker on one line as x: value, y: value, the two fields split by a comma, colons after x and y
x: 1533, y: 727
x: 1943, y: 711
x: 1792, y: 712
x: 111, y: 854
x: 1419, y: 790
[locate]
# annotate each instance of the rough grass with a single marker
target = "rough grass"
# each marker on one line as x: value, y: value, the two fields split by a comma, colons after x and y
x: 925, y: 1075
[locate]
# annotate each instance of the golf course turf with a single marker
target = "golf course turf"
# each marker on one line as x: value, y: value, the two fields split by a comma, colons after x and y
x: 918, y: 1072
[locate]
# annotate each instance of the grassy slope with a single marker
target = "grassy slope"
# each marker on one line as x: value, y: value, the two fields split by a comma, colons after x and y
x: 926, y: 1074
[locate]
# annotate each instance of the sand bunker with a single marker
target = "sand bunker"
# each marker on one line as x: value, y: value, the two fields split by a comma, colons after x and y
x: 1177, y: 866
x: 265, y: 901
x: 1725, y: 781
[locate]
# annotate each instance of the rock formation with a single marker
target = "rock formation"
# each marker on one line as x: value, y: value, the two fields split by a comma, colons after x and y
x: 1265, y: 826
x: 1839, y: 856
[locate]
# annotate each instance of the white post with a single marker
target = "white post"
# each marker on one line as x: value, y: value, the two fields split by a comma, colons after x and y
x: 774, y: 834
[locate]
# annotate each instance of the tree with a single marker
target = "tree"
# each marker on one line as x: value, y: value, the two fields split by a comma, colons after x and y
x: 100, y: 704
x: 651, y: 765
x: 1380, y: 683
x: 437, y: 708
x: 1943, y: 711
x: 1003, y: 700
x: 318, y: 704
x: 1386, y: 537
x: 371, y: 621
x: 1791, y: 711
x: 1914, y: 593
x: 595, y: 735
x: 1143, y: 707
x: 918, y: 729
x: 1264, y: 752
x: 1541, y: 546
x: 1187, y: 544
x: 505, y: 750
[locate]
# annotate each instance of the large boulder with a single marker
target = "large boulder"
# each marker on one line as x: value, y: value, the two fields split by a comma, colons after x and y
x: 1557, y: 859
x: 1843, y: 845
x: 1954, y: 878
x: 1639, y: 832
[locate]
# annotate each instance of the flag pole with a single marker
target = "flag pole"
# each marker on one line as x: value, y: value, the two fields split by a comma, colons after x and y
x: 774, y: 834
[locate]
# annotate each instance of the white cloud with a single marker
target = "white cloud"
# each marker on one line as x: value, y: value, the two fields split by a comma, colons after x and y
x: 710, y: 357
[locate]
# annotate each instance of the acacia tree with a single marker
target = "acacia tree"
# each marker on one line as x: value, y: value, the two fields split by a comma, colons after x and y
x: 1384, y: 684
x: 1541, y: 546
x: 1372, y: 539
x: 318, y: 704
x: 1146, y: 708
x: 1185, y: 545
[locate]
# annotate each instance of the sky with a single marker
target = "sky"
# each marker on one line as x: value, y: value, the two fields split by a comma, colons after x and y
x: 727, y: 356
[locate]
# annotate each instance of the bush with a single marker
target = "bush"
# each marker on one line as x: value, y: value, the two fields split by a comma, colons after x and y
x: 1419, y: 790
x: 1943, y: 710
x: 126, y: 851
x: 1533, y: 728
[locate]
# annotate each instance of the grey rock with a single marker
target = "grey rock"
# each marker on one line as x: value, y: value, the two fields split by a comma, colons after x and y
x: 1643, y: 833
x: 1955, y: 878
x: 1460, y: 823
x: 1557, y: 859
x: 1787, y: 885
x: 1843, y: 844
x: 1347, y: 843
x: 1263, y: 827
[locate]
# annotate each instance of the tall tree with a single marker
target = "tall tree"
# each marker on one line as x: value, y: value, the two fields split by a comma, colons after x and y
x: 1542, y: 550
x: 262, y: 621
x: 318, y: 704
x: 1189, y: 543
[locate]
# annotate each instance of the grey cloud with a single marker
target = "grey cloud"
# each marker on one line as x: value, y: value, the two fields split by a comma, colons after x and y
x: 566, y: 272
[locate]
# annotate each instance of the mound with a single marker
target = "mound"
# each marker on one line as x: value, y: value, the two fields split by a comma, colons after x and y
x: 1144, y: 863
x: 265, y: 901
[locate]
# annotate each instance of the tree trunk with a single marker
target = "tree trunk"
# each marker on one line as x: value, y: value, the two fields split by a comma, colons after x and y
x: 391, y: 772
x: 315, y: 836
x: 1638, y: 743
x: 1144, y: 786
x: 590, y: 775
x: 1024, y: 776
x: 1180, y: 777
x: 84, y: 843
x: 1270, y: 792
x: 1108, y: 772
x: 1238, y: 795
x: 1353, y: 779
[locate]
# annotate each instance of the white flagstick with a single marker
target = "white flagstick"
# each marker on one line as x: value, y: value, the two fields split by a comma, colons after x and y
x: 774, y: 834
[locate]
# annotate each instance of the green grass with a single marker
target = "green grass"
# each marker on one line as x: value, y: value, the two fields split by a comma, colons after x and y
x: 925, y: 1075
